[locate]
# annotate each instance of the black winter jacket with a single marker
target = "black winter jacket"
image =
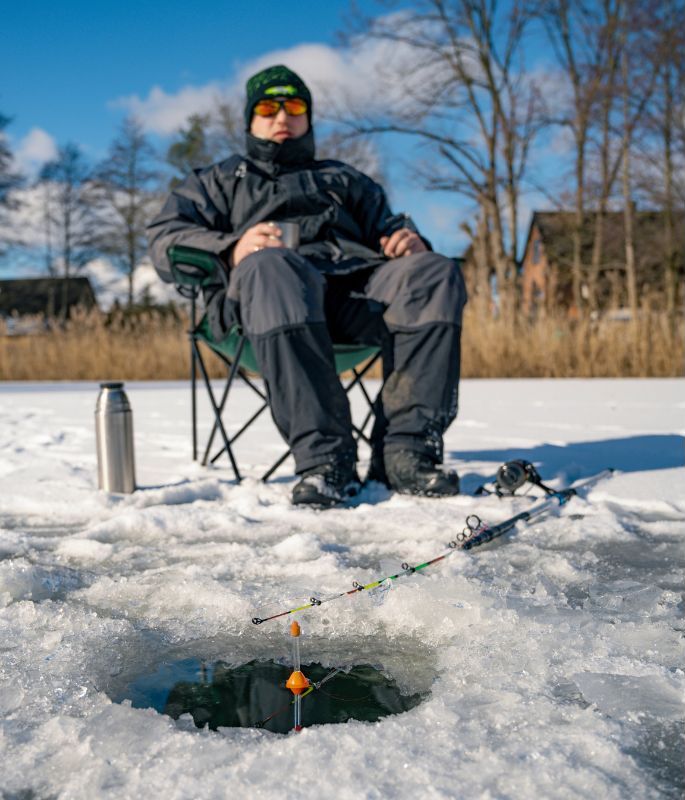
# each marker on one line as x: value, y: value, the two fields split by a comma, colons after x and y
x: 342, y: 212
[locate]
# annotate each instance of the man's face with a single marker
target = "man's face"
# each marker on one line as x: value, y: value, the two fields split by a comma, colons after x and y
x: 280, y: 127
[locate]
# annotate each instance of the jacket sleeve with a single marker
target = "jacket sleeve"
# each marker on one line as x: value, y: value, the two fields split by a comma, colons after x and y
x: 374, y: 215
x: 196, y: 214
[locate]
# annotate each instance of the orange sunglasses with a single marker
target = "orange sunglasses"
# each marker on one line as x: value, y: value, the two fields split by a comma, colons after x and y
x: 294, y: 107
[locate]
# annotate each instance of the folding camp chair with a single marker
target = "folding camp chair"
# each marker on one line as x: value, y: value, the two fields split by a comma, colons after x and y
x: 194, y: 269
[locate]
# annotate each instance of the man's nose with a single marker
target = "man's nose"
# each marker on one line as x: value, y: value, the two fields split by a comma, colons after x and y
x: 281, y: 114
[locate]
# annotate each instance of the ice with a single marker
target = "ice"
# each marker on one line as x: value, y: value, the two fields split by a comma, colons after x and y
x: 298, y: 547
x: 553, y: 657
x: 633, y: 695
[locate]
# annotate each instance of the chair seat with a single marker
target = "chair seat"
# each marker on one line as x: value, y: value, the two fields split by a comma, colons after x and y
x: 347, y: 356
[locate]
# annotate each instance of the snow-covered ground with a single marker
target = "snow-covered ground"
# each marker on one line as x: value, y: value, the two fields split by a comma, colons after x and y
x: 554, y: 657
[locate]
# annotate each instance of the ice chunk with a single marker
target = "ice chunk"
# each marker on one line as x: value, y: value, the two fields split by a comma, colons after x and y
x: 622, y: 696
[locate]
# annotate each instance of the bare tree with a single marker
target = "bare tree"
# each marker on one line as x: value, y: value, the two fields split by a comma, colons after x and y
x: 469, y: 101
x: 358, y: 151
x: 205, y: 139
x: 227, y: 131
x: 124, y: 186
x: 190, y: 148
x: 625, y: 91
x: 10, y: 180
x: 578, y: 30
x: 609, y: 154
x: 70, y: 212
x: 660, y: 158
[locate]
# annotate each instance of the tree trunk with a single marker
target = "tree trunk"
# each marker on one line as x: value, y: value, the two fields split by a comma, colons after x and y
x: 631, y: 279
x: 670, y: 255
x: 577, y: 265
x: 131, y: 252
x: 483, y: 258
x: 608, y: 98
x: 602, y: 206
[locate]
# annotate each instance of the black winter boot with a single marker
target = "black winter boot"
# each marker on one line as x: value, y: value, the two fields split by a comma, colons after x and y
x: 411, y: 472
x: 326, y: 485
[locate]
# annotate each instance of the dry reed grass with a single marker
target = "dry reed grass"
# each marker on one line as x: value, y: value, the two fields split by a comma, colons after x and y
x: 153, y: 346
x: 652, y: 345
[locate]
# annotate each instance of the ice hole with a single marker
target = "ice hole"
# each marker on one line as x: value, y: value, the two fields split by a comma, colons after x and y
x: 253, y: 695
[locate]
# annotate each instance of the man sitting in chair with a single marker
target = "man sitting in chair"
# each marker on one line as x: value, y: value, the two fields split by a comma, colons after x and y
x: 361, y: 275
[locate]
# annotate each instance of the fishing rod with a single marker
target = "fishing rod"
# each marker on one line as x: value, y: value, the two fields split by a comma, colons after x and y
x: 475, y: 534
x: 561, y: 497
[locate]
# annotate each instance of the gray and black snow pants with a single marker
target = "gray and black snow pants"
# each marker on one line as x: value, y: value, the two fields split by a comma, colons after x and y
x: 292, y: 312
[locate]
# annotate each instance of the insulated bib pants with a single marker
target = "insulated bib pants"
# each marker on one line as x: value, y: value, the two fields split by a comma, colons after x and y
x: 292, y: 312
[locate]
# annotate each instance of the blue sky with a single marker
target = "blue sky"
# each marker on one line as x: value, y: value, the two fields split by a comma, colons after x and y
x: 73, y: 69
x: 65, y: 63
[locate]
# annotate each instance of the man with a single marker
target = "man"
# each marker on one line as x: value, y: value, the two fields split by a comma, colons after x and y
x: 361, y: 275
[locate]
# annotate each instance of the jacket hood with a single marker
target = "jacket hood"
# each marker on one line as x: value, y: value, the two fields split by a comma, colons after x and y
x: 288, y: 153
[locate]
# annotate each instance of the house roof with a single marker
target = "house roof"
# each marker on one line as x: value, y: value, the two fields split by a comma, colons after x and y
x: 25, y: 296
x: 556, y: 231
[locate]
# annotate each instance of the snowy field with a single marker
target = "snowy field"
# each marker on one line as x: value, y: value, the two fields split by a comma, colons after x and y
x: 552, y: 658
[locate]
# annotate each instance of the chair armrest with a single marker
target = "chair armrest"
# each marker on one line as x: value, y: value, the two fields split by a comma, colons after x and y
x: 195, y: 268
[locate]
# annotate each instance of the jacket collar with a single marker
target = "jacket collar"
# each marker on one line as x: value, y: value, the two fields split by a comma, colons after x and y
x: 271, y: 155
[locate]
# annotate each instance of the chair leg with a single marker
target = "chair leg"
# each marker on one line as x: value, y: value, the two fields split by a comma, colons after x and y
x: 233, y: 438
x: 265, y: 477
x: 193, y: 396
x: 193, y: 374
x: 229, y: 382
x: 234, y: 372
x: 218, y: 409
x: 217, y: 419
x: 357, y: 381
x: 361, y: 435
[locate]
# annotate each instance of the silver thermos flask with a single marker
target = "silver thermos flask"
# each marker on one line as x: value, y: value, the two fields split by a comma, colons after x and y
x: 114, y: 439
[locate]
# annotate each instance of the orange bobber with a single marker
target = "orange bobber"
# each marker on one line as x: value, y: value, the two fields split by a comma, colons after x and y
x: 297, y: 682
x: 295, y: 628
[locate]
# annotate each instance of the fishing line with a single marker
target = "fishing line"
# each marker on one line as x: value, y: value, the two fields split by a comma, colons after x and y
x: 474, y: 534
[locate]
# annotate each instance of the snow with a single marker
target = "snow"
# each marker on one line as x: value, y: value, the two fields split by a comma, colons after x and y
x: 553, y: 656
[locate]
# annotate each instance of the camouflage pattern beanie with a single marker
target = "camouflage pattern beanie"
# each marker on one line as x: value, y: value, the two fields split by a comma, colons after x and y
x: 278, y: 81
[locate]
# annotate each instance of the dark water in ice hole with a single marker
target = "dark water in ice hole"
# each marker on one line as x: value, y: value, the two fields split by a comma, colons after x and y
x: 220, y: 695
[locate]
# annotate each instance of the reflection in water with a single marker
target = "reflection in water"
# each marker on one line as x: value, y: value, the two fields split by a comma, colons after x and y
x: 254, y: 694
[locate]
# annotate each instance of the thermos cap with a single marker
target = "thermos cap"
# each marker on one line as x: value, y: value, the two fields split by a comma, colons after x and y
x: 112, y: 385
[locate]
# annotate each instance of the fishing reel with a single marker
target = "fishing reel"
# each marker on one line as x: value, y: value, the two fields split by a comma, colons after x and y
x: 511, y: 476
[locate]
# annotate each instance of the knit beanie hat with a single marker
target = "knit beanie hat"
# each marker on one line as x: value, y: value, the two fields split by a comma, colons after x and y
x: 278, y: 81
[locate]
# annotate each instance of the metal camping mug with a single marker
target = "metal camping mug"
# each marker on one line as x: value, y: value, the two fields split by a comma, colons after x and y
x: 290, y: 234
x: 114, y: 440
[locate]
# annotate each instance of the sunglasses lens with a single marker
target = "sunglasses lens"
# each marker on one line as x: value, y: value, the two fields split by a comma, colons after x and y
x: 267, y: 108
x: 295, y: 107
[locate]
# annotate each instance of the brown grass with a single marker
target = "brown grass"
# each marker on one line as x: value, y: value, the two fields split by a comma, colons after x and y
x: 555, y: 347
x: 153, y: 346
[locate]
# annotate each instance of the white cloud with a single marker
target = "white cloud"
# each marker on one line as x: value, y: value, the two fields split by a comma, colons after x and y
x: 24, y: 223
x: 362, y: 76
x: 34, y: 150
x: 111, y: 284
x: 357, y: 77
x: 165, y: 113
